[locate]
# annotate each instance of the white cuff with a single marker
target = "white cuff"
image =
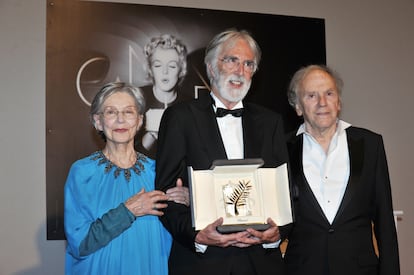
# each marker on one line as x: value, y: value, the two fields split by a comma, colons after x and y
x: 271, y: 245
x: 200, y: 247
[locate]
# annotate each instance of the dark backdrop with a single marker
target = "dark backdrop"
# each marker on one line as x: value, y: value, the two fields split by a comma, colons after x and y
x: 92, y: 43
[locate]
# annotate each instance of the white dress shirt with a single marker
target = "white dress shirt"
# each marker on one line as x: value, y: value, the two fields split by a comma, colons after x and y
x: 327, y: 173
x: 231, y: 131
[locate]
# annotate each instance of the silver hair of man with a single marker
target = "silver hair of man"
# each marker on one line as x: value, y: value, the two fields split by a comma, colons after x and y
x: 297, y: 79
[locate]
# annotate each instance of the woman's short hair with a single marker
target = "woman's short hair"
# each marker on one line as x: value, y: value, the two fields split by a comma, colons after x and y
x: 166, y: 42
x: 297, y: 79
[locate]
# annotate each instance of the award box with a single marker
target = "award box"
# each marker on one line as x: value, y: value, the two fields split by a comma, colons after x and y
x: 241, y: 192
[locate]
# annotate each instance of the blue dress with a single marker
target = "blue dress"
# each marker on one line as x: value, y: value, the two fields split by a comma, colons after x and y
x: 103, y: 236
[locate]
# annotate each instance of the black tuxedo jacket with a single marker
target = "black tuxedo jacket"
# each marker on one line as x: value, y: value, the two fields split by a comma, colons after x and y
x: 189, y: 136
x: 345, y: 247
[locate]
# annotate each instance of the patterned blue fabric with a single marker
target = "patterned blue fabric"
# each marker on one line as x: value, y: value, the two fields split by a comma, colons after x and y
x: 103, y: 236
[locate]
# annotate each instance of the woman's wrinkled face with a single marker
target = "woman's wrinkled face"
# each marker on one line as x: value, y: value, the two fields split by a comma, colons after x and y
x: 165, y: 66
x: 119, y: 118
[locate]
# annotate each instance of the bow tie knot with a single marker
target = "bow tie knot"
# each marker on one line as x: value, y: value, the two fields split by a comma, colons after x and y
x: 221, y: 112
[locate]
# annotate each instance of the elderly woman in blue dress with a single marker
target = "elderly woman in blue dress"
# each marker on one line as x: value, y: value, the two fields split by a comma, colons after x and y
x: 111, y: 207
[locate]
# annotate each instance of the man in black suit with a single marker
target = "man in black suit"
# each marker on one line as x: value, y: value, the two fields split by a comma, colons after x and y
x: 196, y: 133
x: 343, y: 189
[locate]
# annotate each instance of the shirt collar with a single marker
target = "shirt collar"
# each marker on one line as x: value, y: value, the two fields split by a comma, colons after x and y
x: 340, y: 129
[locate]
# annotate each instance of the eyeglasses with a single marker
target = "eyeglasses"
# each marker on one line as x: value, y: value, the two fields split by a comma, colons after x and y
x: 232, y: 62
x: 112, y: 113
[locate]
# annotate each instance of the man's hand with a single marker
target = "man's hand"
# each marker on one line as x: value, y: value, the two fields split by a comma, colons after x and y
x: 210, y: 236
x: 179, y: 194
x: 270, y: 235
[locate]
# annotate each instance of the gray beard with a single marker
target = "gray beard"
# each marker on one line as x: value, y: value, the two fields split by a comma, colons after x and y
x: 229, y: 94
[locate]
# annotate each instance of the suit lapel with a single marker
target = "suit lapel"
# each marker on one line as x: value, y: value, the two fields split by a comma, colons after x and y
x: 207, y: 127
x: 252, y: 136
x: 304, y: 190
x: 356, y: 159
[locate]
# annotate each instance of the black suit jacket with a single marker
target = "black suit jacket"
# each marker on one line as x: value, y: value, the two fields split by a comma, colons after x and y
x: 345, y: 247
x: 189, y: 136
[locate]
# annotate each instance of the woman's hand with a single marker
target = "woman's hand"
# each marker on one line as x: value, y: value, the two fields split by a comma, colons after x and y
x: 179, y: 194
x: 147, y: 203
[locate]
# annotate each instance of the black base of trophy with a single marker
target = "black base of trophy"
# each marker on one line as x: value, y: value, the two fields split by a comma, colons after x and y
x: 226, y: 229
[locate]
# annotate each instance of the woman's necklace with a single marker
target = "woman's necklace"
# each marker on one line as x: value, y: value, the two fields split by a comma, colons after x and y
x: 119, y: 161
x: 137, y: 167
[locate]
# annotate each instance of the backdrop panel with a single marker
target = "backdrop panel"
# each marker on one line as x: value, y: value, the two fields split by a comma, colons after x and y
x: 92, y: 43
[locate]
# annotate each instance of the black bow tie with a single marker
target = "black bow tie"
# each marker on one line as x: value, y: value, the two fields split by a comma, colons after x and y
x: 220, y: 112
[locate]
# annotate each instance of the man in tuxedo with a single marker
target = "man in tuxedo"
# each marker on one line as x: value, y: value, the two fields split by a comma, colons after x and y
x: 343, y: 188
x: 215, y: 126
